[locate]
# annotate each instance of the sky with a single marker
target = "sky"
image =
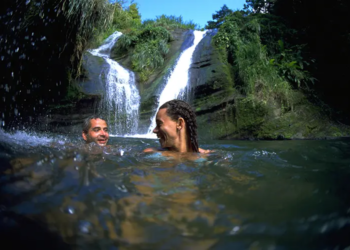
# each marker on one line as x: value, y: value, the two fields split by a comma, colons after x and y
x: 199, y: 11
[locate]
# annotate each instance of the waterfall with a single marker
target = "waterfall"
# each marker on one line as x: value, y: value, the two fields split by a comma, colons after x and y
x: 122, y: 99
x: 179, y: 77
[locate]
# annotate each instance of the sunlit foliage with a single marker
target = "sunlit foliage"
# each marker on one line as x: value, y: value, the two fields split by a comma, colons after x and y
x: 148, y: 44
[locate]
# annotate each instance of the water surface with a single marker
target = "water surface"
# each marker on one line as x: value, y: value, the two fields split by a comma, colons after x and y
x: 60, y: 193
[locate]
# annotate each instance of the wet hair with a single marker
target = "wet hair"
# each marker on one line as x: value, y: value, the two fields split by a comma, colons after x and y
x: 176, y: 109
x: 87, y: 123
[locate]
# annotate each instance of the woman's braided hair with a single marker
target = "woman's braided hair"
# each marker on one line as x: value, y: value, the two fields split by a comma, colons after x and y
x: 176, y: 109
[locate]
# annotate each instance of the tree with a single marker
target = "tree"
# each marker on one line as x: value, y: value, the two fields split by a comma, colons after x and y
x: 134, y: 13
x: 219, y: 17
x: 259, y: 6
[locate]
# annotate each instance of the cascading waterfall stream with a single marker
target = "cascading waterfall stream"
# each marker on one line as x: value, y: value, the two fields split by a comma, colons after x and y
x: 122, y: 98
x: 179, y: 77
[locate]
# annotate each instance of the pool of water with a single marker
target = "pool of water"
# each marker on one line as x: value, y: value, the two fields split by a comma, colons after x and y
x: 57, y: 192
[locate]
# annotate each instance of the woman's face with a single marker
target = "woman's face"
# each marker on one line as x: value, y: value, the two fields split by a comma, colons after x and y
x: 166, y: 130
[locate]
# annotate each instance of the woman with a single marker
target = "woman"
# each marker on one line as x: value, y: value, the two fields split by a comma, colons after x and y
x: 176, y: 128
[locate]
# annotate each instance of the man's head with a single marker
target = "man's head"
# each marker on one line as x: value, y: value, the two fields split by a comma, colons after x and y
x: 95, y: 129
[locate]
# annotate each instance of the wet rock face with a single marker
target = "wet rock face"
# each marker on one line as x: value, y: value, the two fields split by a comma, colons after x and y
x: 91, y: 83
x: 212, y: 91
x: 68, y: 118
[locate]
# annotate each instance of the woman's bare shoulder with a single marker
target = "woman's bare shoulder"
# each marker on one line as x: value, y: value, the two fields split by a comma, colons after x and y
x: 150, y: 150
x: 205, y: 151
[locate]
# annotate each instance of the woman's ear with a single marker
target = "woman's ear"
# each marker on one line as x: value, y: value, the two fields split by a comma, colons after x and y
x: 180, y: 123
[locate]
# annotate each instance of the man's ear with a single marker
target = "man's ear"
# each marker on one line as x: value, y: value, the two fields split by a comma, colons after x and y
x: 180, y: 123
x: 84, y: 136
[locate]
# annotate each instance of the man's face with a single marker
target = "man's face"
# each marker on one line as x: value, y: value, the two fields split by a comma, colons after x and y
x: 98, y: 132
x: 165, y: 129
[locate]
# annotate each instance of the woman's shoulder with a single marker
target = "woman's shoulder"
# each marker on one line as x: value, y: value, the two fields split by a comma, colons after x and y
x: 152, y: 150
x: 205, y: 151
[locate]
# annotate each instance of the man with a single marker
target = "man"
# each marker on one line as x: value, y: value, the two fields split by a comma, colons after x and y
x: 95, y: 129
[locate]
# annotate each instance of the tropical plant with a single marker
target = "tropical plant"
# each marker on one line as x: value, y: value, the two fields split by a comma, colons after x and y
x: 219, y: 17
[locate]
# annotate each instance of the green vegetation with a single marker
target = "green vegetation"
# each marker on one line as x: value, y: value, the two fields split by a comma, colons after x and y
x: 122, y: 19
x: 275, y: 69
x: 261, y: 75
x: 148, y: 43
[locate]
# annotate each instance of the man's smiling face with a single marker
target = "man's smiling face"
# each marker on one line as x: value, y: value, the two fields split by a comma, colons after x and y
x: 98, y: 132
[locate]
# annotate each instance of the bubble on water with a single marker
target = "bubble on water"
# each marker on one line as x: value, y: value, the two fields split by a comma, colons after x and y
x: 84, y: 227
x: 234, y: 230
x: 78, y: 157
x: 69, y: 210
x: 122, y: 188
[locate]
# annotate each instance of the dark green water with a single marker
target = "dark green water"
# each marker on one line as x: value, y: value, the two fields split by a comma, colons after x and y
x: 245, y: 195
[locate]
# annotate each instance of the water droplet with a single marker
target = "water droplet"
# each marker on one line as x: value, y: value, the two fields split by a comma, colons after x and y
x: 2, y: 58
x: 234, y: 230
x: 69, y: 210
x: 16, y: 111
x: 84, y: 226
x: 27, y: 2
x: 28, y: 91
x: 78, y: 157
x: 43, y: 38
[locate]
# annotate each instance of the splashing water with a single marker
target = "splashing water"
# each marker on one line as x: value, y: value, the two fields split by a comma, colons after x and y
x: 178, y: 79
x: 122, y: 99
